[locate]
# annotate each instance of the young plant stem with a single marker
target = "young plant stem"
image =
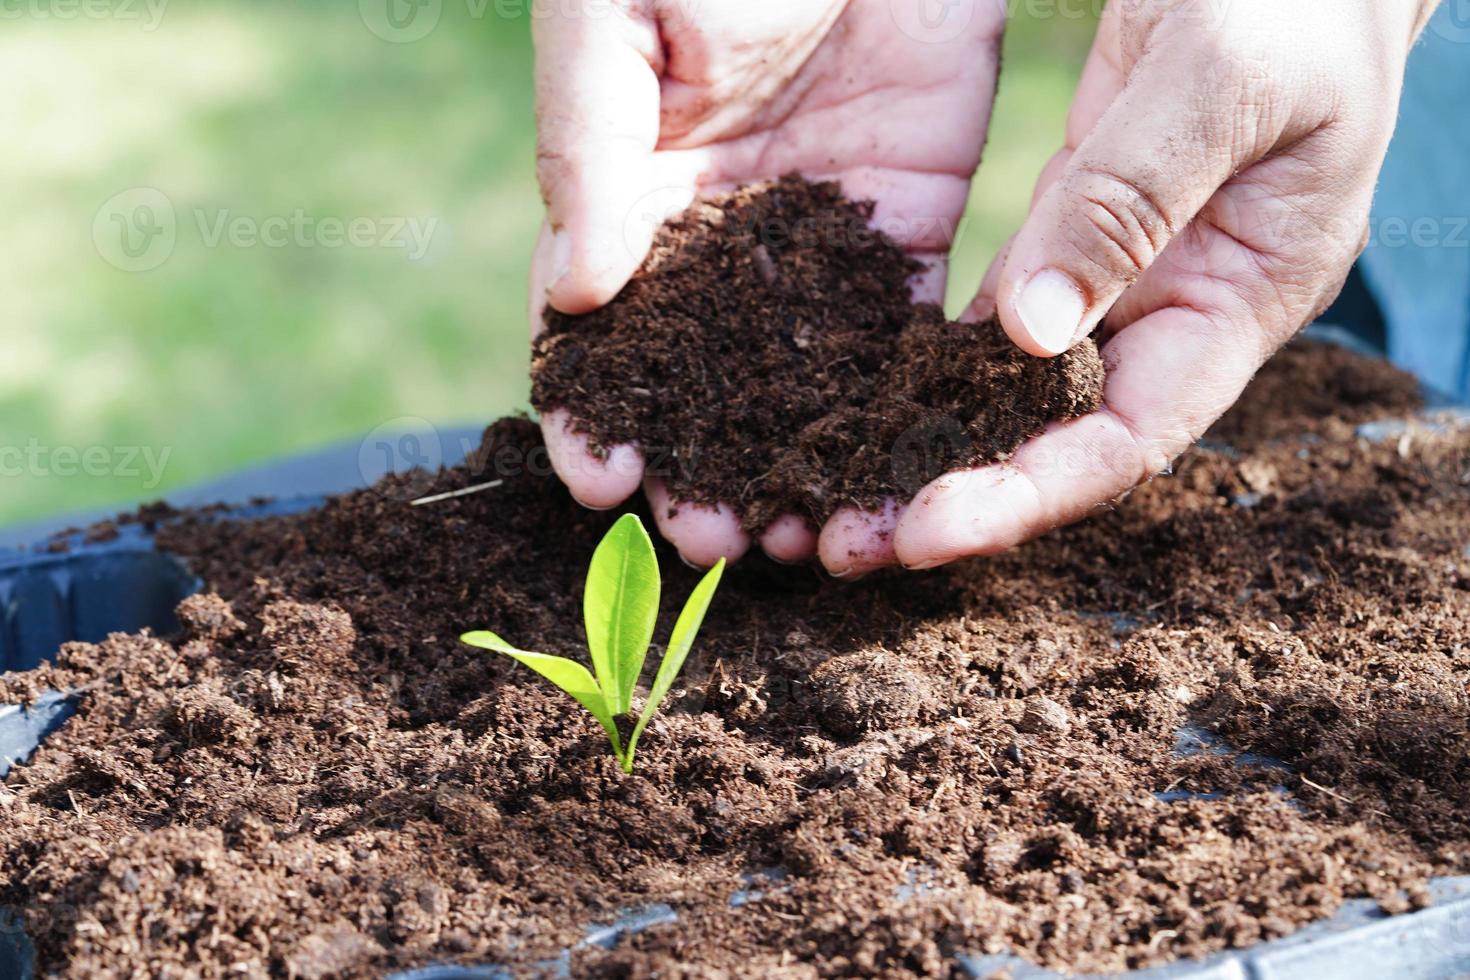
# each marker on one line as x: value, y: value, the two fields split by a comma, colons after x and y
x: 620, y: 605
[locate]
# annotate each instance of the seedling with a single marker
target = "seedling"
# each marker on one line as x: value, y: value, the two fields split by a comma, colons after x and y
x: 620, y: 606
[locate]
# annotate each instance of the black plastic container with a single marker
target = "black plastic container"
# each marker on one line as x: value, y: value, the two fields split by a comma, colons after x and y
x: 91, y: 589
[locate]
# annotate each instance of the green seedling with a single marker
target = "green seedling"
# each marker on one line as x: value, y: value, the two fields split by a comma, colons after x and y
x: 620, y: 607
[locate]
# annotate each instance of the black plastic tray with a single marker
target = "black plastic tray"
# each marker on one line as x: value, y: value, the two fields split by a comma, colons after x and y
x: 92, y: 589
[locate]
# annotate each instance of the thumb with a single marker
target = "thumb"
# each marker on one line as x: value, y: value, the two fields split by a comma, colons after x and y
x: 1152, y: 161
x: 597, y: 109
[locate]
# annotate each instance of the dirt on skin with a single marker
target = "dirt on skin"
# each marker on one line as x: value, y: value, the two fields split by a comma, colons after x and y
x: 316, y: 780
x: 767, y: 355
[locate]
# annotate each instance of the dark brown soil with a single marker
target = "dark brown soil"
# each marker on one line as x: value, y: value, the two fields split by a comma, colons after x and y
x: 768, y: 356
x: 1343, y: 390
x: 316, y: 780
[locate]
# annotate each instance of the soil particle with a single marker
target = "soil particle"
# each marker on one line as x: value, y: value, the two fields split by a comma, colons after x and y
x: 315, y: 779
x: 329, y: 951
x: 204, y: 713
x: 1341, y: 390
x: 308, y: 637
x: 767, y: 355
x: 866, y: 692
x: 1042, y: 714
x: 207, y: 616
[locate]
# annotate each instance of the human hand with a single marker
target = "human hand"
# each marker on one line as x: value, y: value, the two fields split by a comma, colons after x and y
x: 641, y: 106
x: 1212, y: 196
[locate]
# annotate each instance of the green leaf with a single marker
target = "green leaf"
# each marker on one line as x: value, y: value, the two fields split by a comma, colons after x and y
x: 566, y: 674
x: 621, y: 606
x: 681, y: 641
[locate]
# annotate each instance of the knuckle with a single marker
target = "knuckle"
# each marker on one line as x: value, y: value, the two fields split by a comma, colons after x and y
x: 1120, y: 222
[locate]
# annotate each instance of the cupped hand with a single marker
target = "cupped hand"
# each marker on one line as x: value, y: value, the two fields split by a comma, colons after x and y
x: 644, y: 104
x: 1212, y: 195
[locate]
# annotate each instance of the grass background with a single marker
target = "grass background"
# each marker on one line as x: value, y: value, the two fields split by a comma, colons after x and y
x: 226, y: 355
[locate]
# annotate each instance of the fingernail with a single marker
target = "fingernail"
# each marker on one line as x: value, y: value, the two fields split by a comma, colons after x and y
x: 1051, y: 308
x: 561, y: 258
x: 924, y: 566
x: 849, y: 575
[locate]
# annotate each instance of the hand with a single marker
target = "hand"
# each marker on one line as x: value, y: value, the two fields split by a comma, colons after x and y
x: 1212, y: 195
x: 642, y: 106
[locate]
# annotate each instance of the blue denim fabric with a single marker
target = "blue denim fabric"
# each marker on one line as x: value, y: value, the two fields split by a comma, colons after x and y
x: 1417, y: 265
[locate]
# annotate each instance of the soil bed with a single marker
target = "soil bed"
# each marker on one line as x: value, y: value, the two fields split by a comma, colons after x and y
x: 767, y: 356
x: 316, y: 780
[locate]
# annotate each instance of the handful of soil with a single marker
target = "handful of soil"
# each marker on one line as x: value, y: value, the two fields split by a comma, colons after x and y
x: 768, y: 355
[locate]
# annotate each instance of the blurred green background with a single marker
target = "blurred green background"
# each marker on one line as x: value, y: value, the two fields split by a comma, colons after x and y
x: 229, y: 351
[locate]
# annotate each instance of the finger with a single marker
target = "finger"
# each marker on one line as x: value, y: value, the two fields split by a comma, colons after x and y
x: 789, y: 539
x: 1170, y: 376
x: 1051, y: 173
x: 928, y: 285
x: 1101, y: 81
x: 982, y: 307
x: 855, y: 542
x: 541, y: 263
x: 1262, y: 258
x: 597, y: 108
x: 598, y: 482
x: 701, y: 533
x: 1144, y: 169
x: 919, y: 211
